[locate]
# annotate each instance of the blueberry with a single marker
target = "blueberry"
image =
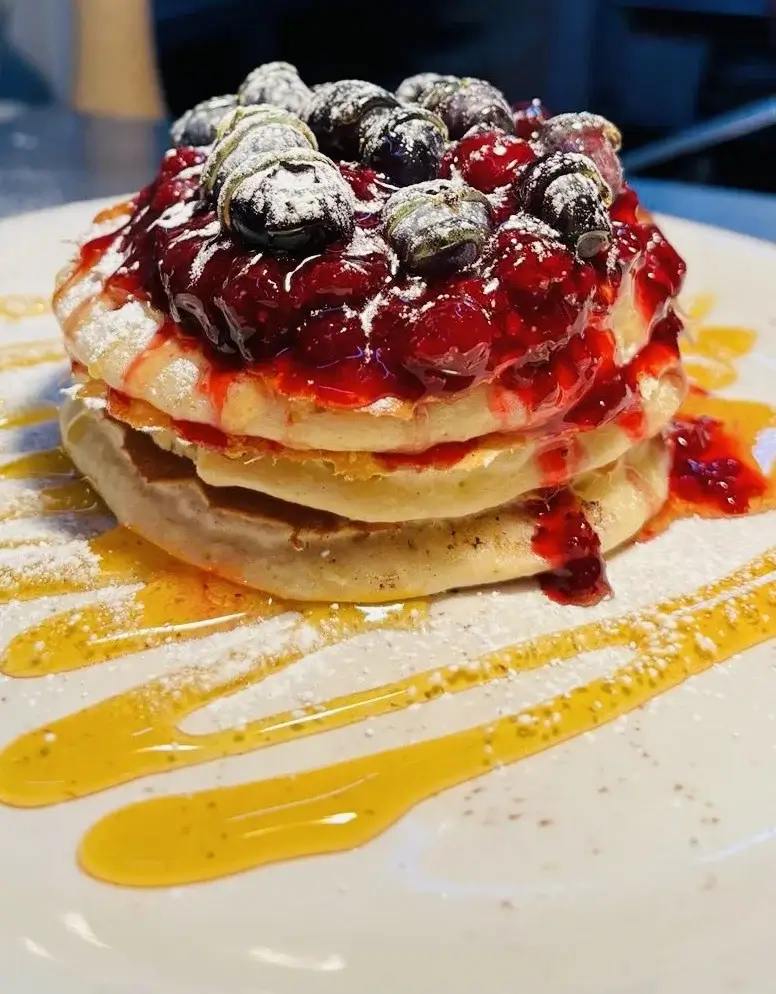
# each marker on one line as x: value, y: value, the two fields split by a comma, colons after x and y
x: 566, y: 191
x: 438, y: 226
x: 590, y: 135
x: 248, y: 132
x: 199, y: 125
x: 289, y: 200
x: 563, y: 126
x: 414, y: 88
x: 275, y: 83
x: 335, y: 111
x: 403, y: 143
x: 465, y: 103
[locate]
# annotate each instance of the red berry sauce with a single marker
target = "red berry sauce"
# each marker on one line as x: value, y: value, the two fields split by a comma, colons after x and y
x: 487, y: 161
x: 566, y: 540
x: 529, y: 116
x: 710, y: 469
x: 346, y: 327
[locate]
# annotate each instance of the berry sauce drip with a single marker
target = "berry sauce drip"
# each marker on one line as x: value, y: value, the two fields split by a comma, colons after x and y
x: 566, y: 540
x: 347, y: 326
x: 710, y: 468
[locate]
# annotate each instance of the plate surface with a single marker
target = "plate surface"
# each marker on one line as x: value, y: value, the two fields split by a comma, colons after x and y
x: 634, y: 859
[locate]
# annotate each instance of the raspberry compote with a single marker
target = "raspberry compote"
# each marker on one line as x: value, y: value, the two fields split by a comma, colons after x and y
x: 569, y: 544
x: 711, y: 470
x: 347, y: 326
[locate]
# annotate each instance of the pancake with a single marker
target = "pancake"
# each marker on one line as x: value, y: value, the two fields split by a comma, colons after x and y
x: 335, y: 375
x: 498, y: 469
x: 124, y: 344
x: 299, y: 553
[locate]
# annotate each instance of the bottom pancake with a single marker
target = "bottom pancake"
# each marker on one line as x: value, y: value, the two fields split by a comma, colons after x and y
x: 302, y: 554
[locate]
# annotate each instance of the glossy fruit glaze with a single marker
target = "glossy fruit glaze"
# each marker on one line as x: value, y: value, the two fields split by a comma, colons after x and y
x: 710, y: 467
x: 347, y: 327
x: 713, y: 473
x: 564, y: 537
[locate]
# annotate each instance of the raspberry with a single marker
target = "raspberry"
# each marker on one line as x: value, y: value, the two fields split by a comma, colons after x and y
x: 590, y: 135
x: 529, y: 117
x: 255, y: 308
x: 528, y: 264
x: 334, y: 279
x: 661, y: 275
x: 367, y: 184
x: 449, y: 344
x: 487, y: 161
x: 327, y: 337
x: 175, y: 160
x: 625, y: 207
x: 596, y: 147
x: 174, y: 191
x: 709, y: 469
x: 371, y: 192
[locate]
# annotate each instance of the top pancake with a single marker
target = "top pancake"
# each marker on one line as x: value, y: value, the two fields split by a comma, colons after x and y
x: 120, y: 344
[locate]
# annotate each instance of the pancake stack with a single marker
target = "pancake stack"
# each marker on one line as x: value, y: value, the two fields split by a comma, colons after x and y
x: 357, y: 346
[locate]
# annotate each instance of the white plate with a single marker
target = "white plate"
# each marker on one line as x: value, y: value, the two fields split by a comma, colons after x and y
x: 642, y: 858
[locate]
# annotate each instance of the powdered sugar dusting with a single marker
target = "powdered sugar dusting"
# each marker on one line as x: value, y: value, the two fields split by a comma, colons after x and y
x: 106, y: 329
x: 71, y: 563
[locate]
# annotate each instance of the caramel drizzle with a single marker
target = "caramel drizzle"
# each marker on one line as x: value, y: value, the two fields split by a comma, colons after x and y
x: 209, y: 834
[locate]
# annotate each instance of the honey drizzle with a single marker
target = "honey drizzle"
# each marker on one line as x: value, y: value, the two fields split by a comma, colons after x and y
x: 47, y: 464
x: 30, y: 354
x: 116, y: 557
x: 174, y: 607
x: 28, y: 417
x: 713, y: 352
x: 206, y: 835
x: 20, y: 306
x: 184, y: 839
x: 77, y: 497
x: 137, y: 731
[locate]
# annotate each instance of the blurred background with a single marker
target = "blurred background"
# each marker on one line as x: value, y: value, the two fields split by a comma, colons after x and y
x: 97, y: 74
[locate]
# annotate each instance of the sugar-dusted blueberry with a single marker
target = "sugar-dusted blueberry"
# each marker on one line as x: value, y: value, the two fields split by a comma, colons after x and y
x: 566, y: 190
x: 590, y: 135
x: 291, y: 200
x: 403, y: 143
x: 465, y: 103
x: 336, y: 110
x: 414, y: 88
x: 437, y: 226
x: 199, y: 125
x: 247, y: 132
x: 275, y: 83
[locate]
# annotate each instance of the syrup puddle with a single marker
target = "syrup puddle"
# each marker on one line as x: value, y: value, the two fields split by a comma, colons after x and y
x: 178, y: 840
